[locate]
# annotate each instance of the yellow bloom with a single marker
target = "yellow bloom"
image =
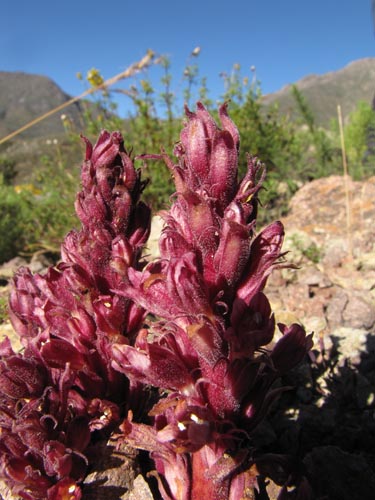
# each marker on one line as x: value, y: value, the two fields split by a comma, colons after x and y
x: 94, y: 77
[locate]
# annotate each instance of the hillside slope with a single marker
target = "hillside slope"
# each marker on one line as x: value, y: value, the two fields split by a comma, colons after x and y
x: 24, y: 97
x: 347, y: 86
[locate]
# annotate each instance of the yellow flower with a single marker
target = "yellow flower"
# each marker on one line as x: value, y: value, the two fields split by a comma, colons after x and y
x: 94, y: 77
x: 19, y: 188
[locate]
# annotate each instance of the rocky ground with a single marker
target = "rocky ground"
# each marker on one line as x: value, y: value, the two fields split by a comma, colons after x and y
x: 326, y: 422
x: 328, y: 419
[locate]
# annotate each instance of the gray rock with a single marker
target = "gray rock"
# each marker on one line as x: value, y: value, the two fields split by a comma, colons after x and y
x: 299, y: 245
x: 366, y: 261
x: 365, y: 392
x: 141, y: 490
x: 6, y: 494
x: 350, y: 343
x: 152, y: 250
x: 359, y: 312
x: 39, y: 263
x: 114, y: 473
x: 8, y: 269
x: 337, y: 475
x: 316, y: 324
x: 335, y: 308
x: 312, y: 276
x: 335, y: 252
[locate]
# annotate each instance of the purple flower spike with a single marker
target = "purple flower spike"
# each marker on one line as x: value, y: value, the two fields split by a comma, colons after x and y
x: 63, y: 387
x: 209, y: 154
x: 101, y: 327
x: 207, y: 345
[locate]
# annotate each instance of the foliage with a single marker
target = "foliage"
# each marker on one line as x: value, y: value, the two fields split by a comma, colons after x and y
x: 8, y: 171
x: 15, y: 220
x: 294, y: 152
x: 325, y: 155
x: 3, y: 307
x: 52, y: 207
x: 265, y: 135
x: 360, y: 140
x: 311, y: 251
x: 37, y: 215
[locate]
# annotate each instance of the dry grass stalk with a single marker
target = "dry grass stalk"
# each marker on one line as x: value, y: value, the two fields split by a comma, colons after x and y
x: 130, y: 71
x: 347, y: 189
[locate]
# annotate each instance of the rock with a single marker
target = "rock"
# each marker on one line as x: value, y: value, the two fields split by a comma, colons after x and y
x: 336, y: 291
x: 335, y: 252
x: 319, y: 209
x: 350, y: 343
x: 312, y: 276
x: 367, y: 282
x: 141, y: 490
x: 337, y: 475
x: 366, y: 261
x: 350, y: 278
x: 359, y: 312
x: 114, y: 473
x: 273, y: 490
x: 8, y: 269
x: 365, y: 392
x: 6, y: 330
x: 315, y: 324
x: 39, y: 263
x: 6, y: 494
x: 335, y: 308
x: 152, y: 250
x: 298, y: 244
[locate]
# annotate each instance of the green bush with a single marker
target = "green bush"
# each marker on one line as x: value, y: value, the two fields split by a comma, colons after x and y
x: 294, y: 152
x: 359, y: 133
x: 15, y: 219
x: 8, y: 170
x: 57, y: 183
x: 3, y: 308
x: 37, y: 215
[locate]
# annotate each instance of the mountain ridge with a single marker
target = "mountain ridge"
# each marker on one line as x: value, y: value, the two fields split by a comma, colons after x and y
x: 346, y: 86
x: 25, y: 96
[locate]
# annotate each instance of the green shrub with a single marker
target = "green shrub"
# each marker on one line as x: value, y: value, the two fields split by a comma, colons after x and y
x: 8, y: 171
x: 294, y: 152
x: 53, y: 207
x: 15, y: 219
x: 359, y: 132
x: 37, y: 215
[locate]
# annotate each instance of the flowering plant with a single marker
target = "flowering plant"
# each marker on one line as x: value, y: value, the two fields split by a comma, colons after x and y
x: 104, y: 326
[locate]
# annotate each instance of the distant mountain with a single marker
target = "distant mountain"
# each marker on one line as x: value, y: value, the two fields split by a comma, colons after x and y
x: 323, y: 93
x: 24, y: 97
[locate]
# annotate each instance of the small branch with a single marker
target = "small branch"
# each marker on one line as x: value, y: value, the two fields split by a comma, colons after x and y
x: 130, y: 71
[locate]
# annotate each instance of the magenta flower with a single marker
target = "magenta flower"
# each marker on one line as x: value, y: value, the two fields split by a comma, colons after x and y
x: 62, y: 388
x: 206, y: 346
x: 190, y: 334
x: 44, y: 425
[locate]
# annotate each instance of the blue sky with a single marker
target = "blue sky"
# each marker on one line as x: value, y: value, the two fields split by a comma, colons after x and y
x: 284, y: 39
